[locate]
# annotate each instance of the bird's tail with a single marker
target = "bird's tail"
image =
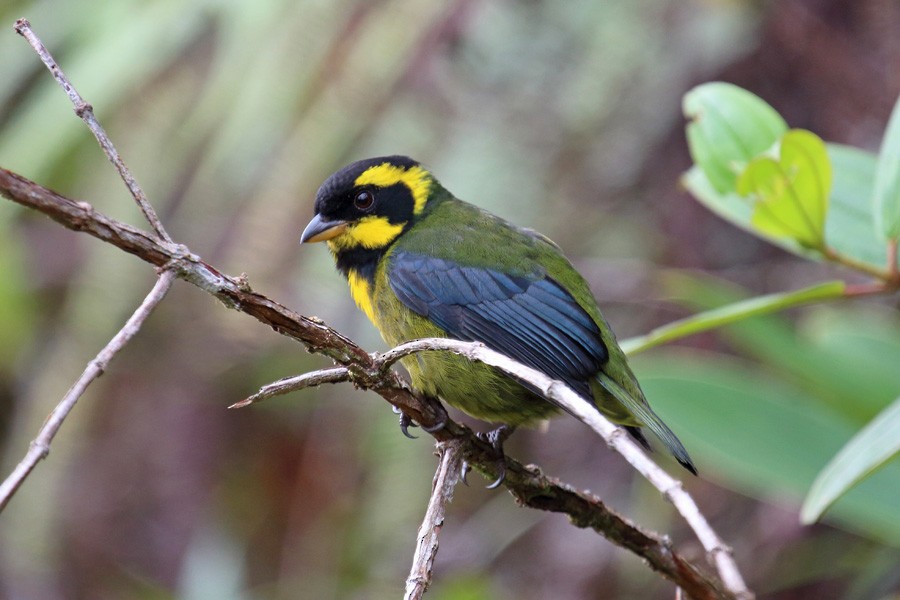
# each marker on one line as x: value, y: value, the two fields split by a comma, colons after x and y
x: 642, y: 412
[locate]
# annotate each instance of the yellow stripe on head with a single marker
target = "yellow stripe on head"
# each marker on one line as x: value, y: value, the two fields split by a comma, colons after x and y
x: 415, y: 178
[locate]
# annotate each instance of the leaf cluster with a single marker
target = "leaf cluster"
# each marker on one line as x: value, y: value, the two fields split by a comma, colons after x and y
x: 821, y: 201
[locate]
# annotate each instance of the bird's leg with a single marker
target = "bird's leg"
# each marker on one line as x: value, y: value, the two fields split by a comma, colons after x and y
x: 406, y: 422
x: 437, y: 426
x: 495, y: 438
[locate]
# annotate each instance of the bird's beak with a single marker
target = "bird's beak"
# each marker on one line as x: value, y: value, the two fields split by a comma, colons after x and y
x: 320, y: 230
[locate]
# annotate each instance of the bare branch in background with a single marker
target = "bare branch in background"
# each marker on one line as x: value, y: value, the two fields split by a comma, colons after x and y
x: 86, y: 112
x: 445, y: 479
x: 40, y: 446
x: 231, y: 291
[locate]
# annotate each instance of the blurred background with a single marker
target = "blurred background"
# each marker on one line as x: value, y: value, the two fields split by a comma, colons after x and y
x: 561, y: 116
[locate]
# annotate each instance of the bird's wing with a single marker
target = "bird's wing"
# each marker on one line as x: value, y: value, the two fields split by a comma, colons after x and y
x: 531, y: 319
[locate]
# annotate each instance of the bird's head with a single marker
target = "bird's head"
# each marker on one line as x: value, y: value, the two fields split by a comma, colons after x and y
x: 366, y: 205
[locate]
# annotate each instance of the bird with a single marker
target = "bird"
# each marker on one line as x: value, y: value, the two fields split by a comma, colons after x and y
x: 422, y: 263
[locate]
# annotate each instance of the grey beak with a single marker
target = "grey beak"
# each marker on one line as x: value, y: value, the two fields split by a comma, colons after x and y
x: 320, y: 230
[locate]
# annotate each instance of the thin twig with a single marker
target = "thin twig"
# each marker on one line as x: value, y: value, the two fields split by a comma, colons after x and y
x: 445, y: 479
x: 86, y: 112
x: 529, y: 487
x: 719, y: 554
x: 298, y: 382
x: 40, y: 446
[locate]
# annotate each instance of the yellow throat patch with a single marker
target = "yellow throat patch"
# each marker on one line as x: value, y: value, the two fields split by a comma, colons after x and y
x: 385, y: 175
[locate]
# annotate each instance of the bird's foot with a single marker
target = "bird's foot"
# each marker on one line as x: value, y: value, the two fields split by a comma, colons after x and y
x: 496, y: 438
x: 406, y: 422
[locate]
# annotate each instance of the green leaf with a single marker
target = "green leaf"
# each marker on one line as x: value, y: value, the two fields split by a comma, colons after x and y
x: 791, y: 191
x: 848, y: 225
x: 733, y: 209
x: 869, y: 450
x: 887, y: 180
x: 728, y: 127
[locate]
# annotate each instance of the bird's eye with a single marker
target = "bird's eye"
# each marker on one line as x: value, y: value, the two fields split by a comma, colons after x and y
x: 364, y: 200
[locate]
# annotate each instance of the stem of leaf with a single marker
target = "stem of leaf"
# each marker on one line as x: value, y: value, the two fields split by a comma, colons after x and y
x: 761, y: 305
x: 866, y: 289
x: 730, y: 313
x: 888, y: 275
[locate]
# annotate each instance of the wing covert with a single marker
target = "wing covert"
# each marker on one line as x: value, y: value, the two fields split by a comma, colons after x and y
x: 530, y: 319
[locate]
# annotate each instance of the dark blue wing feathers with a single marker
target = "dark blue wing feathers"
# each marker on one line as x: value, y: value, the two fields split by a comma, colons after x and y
x: 531, y: 319
x: 533, y: 329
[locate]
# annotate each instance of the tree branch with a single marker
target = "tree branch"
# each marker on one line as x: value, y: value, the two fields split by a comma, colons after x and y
x: 445, y: 479
x: 40, y: 446
x: 611, y: 525
x: 529, y: 486
x: 561, y: 394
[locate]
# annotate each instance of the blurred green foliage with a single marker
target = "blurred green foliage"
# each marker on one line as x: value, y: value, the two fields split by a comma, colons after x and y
x: 728, y: 128
x: 561, y: 116
x: 841, y: 183
x: 789, y: 196
x: 782, y: 424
